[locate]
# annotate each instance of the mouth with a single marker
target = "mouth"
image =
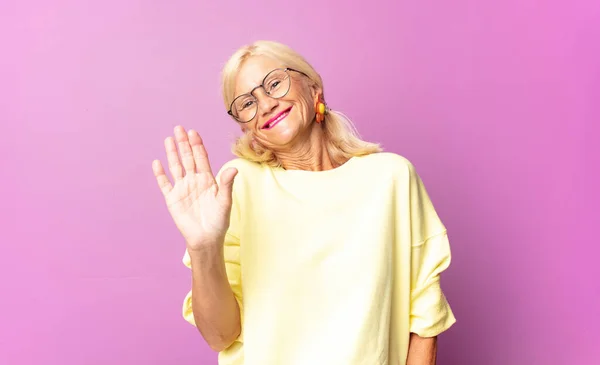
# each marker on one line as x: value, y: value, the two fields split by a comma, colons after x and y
x: 276, y: 119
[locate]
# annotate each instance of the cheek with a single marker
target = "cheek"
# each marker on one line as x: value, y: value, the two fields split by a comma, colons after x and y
x: 303, y: 102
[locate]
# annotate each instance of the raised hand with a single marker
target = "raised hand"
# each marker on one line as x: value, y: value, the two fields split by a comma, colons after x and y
x: 199, y: 206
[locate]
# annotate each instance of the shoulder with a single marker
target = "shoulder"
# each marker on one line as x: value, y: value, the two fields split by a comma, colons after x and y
x: 249, y: 174
x: 389, y: 159
x: 389, y: 163
x: 242, y: 165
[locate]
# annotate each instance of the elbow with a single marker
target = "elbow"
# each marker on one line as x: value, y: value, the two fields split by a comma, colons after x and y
x: 220, y: 342
x: 218, y: 346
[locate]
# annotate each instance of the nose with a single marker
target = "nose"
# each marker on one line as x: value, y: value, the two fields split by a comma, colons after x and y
x: 266, y: 104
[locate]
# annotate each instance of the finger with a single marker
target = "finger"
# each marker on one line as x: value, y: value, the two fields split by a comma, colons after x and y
x: 200, y: 154
x: 173, y: 159
x: 226, y: 185
x: 163, y: 181
x: 185, y: 150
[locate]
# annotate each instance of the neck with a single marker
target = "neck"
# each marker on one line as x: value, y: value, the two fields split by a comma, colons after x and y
x: 309, y: 154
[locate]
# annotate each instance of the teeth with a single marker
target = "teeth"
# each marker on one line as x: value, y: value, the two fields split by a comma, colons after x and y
x: 276, y: 120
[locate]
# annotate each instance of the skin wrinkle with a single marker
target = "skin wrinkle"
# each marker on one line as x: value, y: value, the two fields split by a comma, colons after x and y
x: 297, y: 141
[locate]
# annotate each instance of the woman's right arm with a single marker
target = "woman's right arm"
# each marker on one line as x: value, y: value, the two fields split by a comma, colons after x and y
x: 216, y: 311
x: 200, y: 207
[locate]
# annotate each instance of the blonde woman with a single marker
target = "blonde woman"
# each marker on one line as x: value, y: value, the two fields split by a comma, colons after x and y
x: 312, y: 246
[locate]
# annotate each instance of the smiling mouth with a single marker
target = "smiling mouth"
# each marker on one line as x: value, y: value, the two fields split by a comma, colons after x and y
x: 276, y: 119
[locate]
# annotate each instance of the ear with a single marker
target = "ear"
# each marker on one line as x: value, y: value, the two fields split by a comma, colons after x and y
x: 318, y: 97
x: 316, y: 92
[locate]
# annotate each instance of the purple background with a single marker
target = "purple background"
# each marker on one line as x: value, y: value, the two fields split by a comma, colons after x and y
x: 496, y: 103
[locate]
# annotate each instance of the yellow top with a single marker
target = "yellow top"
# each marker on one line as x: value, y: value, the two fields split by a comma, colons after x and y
x: 333, y: 267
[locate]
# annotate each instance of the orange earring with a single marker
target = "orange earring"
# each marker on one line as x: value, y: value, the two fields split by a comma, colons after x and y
x: 320, y: 110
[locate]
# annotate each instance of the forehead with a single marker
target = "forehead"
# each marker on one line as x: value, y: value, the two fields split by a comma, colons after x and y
x: 253, y: 71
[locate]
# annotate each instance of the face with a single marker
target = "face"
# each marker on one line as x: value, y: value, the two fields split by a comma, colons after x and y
x: 278, y: 123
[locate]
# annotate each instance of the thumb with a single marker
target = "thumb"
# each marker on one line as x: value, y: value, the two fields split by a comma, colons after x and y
x: 226, y: 185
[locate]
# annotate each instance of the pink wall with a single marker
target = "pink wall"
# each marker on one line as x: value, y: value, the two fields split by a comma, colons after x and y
x: 496, y: 103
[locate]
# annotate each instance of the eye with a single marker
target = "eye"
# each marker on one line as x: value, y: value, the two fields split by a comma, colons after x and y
x: 275, y: 84
x: 243, y: 103
x: 247, y: 104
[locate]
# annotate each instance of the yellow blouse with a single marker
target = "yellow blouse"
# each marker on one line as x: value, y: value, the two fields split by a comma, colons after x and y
x: 333, y: 267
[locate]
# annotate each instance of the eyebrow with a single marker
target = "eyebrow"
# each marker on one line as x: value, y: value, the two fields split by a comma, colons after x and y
x: 262, y: 80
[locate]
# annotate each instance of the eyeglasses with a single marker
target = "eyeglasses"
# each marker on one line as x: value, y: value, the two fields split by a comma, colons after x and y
x: 276, y: 85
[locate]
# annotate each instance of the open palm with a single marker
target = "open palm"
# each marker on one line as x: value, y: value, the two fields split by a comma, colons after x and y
x: 199, y: 206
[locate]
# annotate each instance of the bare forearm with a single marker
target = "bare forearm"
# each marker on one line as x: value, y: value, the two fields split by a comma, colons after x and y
x: 216, y: 312
x: 422, y: 350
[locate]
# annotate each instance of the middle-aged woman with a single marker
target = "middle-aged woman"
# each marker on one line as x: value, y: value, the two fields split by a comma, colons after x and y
x: 325, y: 250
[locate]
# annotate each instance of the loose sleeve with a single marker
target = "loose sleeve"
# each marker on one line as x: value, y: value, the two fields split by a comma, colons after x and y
x: 430, y: 313
x: 232, y: 264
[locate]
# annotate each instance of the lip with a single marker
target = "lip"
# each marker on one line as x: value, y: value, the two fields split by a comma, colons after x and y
x: 286, y: 111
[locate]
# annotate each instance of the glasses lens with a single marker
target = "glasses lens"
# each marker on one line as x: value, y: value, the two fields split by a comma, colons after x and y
x: 277, y: 83
x: 244, y: 107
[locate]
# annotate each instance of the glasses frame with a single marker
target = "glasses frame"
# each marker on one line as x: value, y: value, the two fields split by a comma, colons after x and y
x: 262, y: 85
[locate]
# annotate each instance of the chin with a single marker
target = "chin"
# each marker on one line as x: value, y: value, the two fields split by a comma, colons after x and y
x: 282, y: 139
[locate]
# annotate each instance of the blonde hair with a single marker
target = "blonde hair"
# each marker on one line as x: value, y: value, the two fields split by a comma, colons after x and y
x: 341, y: 137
